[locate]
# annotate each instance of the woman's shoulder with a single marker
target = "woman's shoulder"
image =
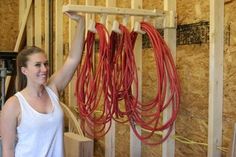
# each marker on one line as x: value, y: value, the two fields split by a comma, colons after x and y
x: 12, y: 100
x: 12, y: 105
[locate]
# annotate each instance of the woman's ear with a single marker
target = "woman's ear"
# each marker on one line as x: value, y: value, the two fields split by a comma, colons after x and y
x: 23, y: 70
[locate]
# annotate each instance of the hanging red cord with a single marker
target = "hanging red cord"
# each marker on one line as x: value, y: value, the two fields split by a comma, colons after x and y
x: 115, y: 78
x: 92, y: 84
x: 147, y: 115
x: 123, y: 69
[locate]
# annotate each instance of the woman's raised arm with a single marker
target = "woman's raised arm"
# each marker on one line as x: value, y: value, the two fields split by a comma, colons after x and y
x: 61, y: 78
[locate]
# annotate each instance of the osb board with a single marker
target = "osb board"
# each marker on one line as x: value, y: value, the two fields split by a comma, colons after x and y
x: 99, y: 147
x: 9, y: 11
x: 100, y: 2
x: 122, y: 140
x: 192, y: 65
x: 152, y: 4
x: 229, y: 114
x: 191, y: 11
x: 230, y: 20
x: 195, y: 89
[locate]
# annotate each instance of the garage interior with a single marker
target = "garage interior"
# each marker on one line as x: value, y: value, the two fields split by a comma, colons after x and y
x: 200, y: 36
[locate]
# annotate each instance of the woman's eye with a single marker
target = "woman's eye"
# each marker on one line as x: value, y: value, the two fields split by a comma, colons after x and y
x: 46, y: 64
x: 37, y: 65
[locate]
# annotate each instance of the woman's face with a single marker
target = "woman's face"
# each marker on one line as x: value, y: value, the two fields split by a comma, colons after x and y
x: 37, y: 68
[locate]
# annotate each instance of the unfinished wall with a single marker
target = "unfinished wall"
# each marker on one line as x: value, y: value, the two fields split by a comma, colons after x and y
x: 193, y: 67
x: 192, y: 64
x: 9, y: 11
x: 229, y: 112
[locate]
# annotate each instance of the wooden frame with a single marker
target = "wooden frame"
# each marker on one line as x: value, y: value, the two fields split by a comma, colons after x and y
x: 30, y: 27
x: 72, y: 99
x: 135, y: 143
x: 135, y: 146
x: 110, y: 136
x: 47, y: 27
x: 216, y: 77
x: 168, y: 147
x: 113, y: 10
x: 37, y: 23
x: 58, y: 53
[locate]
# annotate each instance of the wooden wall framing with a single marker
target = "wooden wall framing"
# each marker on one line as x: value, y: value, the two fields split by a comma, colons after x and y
x: 135, y: 144
x: 216, y: 77
x: 34, y: 36
x: 168, y: 147
x: 110, y: 136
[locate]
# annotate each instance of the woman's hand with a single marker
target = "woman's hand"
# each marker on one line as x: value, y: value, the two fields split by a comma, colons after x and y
x: 74, y: 16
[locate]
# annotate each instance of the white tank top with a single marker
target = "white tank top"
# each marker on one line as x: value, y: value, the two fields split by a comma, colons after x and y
x: 38, y: 134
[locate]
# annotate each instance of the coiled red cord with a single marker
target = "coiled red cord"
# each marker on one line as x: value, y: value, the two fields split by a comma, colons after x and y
x: 147, y: 115
x: 92, y: 84
x: 124, y: 73
x: 115, y: 79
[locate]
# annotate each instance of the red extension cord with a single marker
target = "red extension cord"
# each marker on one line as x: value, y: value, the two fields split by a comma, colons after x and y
x: 93, y: 84
x: 114, y: 79
x: 148, y: 115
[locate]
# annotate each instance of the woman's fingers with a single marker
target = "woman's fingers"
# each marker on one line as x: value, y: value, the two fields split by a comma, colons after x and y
x: 74, y: 16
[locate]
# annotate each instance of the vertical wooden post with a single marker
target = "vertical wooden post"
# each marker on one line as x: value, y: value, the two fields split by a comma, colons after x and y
x: 59, y: 35
x: 135, y: 143
x: 30, y: 27
x: 89, y: 16
x: 46, y: 26
x: 216, y: 77
x: 168, y: 147
x: 110, y: 136
x: 72, y: 99
x: 38, y: 22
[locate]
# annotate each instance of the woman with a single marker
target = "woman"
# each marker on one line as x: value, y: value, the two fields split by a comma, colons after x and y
x: 32, y: 120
